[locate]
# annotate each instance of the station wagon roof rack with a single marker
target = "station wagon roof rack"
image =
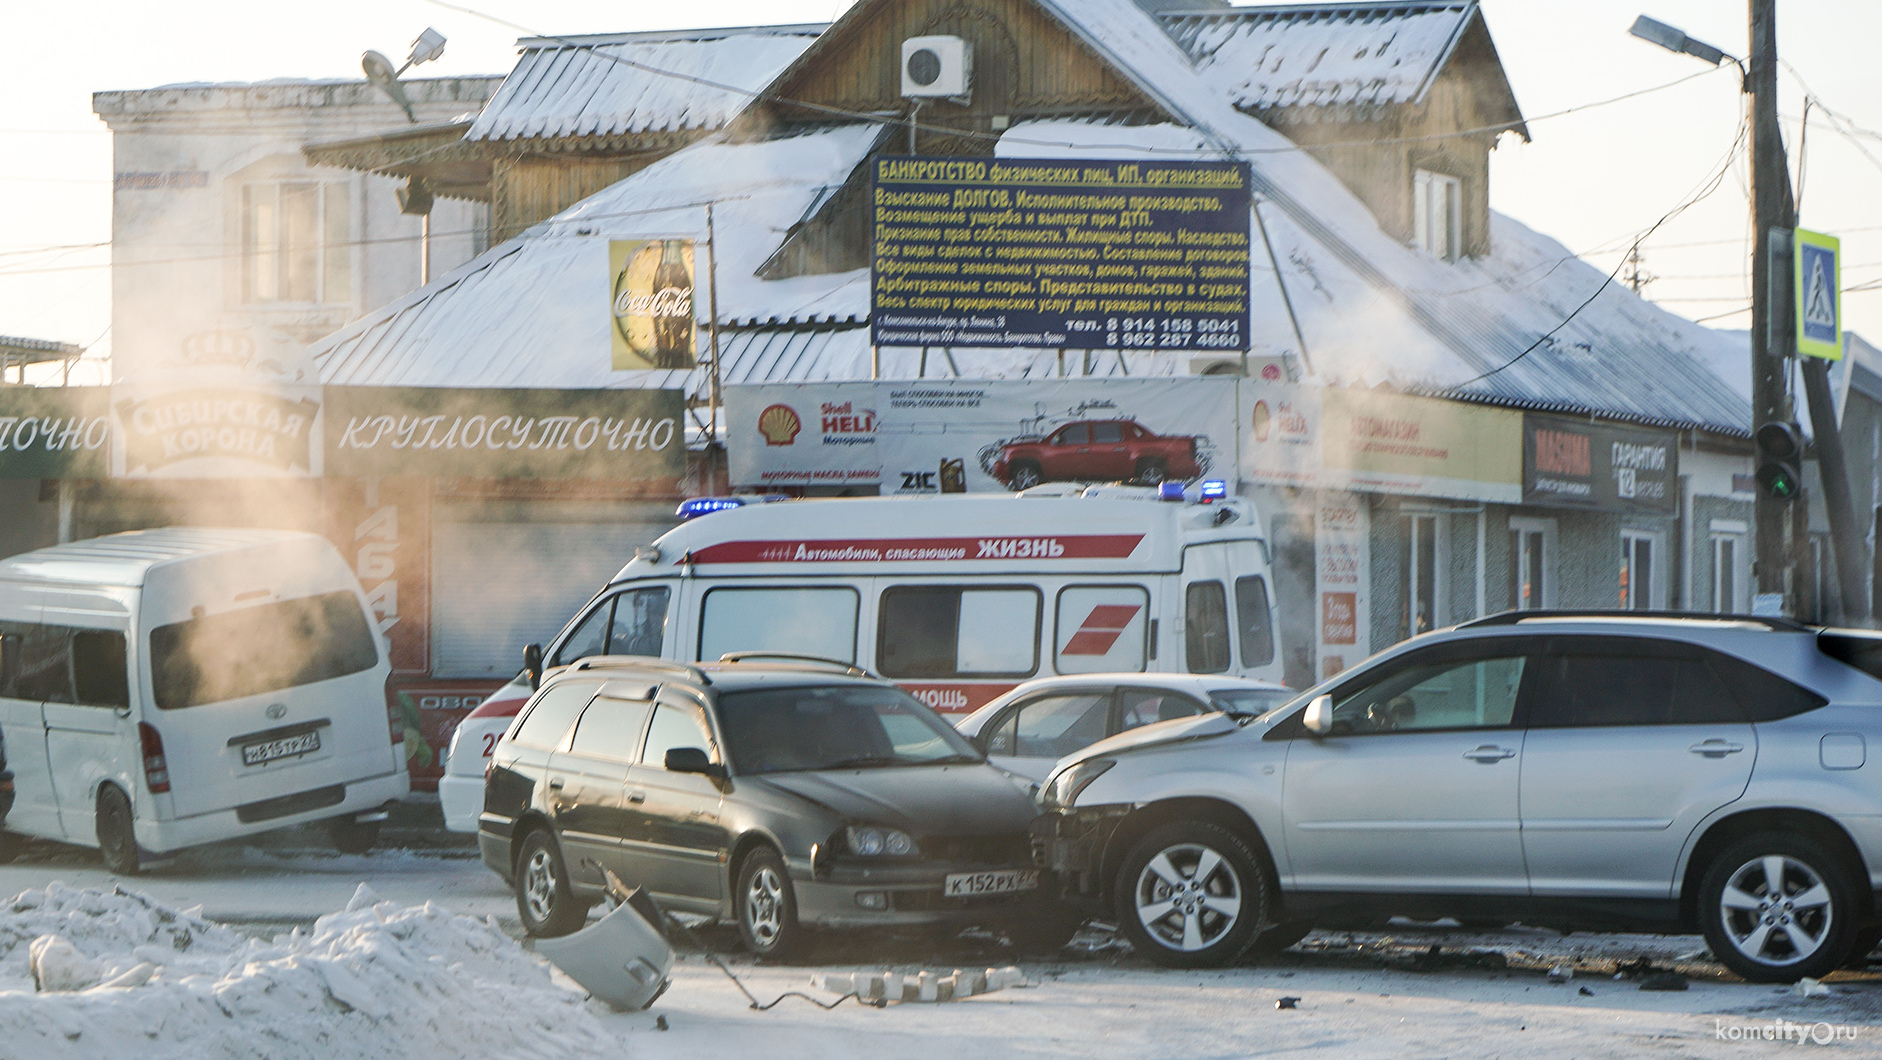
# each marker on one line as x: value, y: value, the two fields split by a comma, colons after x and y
x: 850, y: 669
x: 643, y: 662
x: 1510, y: 618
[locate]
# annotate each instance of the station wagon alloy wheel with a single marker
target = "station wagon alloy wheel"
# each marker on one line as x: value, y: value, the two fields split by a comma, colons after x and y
x: 762, y: 900
x: 1778, y: 907
x: 767, y: 906
x: 543, y: 900
x: 1191, y: 894
x: 539, y: 884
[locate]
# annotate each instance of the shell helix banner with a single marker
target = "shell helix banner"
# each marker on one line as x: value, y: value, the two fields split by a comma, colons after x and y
x: 652, y: 323
x: 960, y: 436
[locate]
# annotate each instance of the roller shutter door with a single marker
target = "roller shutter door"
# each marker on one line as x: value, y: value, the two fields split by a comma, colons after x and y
x: 499, y: 586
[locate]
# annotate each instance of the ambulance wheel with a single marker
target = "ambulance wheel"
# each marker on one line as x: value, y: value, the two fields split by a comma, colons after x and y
x: 1024, y: 476
x: 117, y: 841
x: 352, y: 836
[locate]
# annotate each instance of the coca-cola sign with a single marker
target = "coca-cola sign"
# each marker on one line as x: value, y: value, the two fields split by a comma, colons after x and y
x: 652, y: 321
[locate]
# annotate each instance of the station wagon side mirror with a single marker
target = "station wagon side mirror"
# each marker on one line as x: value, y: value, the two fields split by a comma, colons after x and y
x: 1319, y: 716
x: 532, y: 665
x: 692, y: 760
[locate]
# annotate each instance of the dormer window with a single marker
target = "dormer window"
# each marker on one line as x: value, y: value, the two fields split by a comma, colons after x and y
x: 1437, y: 214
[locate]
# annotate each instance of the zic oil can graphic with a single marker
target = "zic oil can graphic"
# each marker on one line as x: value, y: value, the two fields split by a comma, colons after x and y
x: 652, y: 309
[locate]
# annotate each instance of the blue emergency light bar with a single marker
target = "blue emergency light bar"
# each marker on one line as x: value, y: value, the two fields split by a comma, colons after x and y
x: 1214, y: 490
x: 698, y: 506
x: 1170, y: 491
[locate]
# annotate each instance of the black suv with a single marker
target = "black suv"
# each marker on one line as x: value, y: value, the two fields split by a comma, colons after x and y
x: 783, y: 793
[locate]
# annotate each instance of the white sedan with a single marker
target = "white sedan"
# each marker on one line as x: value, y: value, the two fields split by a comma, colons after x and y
x: 1040, y: 722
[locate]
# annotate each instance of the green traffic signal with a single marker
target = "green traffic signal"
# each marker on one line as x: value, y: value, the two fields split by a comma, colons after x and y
x: 1780, y: 451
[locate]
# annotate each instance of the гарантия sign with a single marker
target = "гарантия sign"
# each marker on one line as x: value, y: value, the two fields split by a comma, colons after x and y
x: 1059, y: 254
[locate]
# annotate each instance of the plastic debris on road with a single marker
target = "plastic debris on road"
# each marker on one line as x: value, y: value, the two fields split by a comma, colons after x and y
x: 926, y: 985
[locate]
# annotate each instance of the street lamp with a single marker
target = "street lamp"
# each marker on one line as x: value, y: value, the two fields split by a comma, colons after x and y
x: 414, y: 197
x: 1776, y: 441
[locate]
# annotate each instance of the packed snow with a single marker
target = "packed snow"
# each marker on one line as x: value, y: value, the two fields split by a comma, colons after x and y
x: 106, y: 974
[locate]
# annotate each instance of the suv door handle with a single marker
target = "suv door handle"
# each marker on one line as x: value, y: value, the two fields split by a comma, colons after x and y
x: 555, y: 784
x: 1716, y: 748
x: 637, y: 797
x: 1489, y: 753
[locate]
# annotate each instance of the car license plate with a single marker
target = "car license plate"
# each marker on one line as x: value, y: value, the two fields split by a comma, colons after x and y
x: 255, y: 754
x: 974, y: 884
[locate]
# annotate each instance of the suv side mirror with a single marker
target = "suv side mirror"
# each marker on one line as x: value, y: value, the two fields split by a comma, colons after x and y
x: 1319, y: 716
x: 692, y: 760
x: 532, y: 665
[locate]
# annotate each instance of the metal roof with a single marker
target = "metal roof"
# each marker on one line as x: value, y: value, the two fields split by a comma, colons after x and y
x: 622, y: 84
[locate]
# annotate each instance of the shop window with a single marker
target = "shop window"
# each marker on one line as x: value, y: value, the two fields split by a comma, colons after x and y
x: 949, y: 631
x: 1532, y: 551
x: 802, y: 620
x: 1422, y: 559
x: 296, y: 242
x: 1102, y: 629
x: 1206, y: 627
x: 1437, y: 214
x: 1638, y: 571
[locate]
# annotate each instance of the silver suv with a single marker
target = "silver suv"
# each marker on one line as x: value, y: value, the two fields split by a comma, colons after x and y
x: 1580, y: 771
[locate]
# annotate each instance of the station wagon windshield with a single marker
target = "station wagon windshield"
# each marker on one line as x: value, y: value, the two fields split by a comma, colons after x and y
x: 784, y: 730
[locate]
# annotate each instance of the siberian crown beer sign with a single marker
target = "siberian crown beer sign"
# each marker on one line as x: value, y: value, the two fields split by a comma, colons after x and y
x: 1815, y: 258
x: 652, y: 310
x: 1079, y: 254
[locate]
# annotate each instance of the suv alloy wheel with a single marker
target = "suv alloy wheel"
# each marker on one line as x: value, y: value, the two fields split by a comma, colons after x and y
x: 1190, y: 894
x: 1778, y: 907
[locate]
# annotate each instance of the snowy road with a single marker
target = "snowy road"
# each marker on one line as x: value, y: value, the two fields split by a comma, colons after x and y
x: 1385, y: 995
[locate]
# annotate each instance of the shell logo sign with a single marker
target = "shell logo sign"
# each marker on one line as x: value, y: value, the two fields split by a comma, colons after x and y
x: 779, y: 424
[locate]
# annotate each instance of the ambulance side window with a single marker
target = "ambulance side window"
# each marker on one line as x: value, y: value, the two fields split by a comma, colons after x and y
x: 817, y: 621
x: 1255, y: 623
x: 951, y: 631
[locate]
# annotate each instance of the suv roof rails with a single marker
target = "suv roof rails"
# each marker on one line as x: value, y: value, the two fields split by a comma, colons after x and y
x: 849, y: 669
x: 642, y: 662
x: 1510, y: 618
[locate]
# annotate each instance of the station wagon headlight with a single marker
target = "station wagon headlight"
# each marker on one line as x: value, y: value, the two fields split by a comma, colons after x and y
x: 1070, y: 783
x: 875, y: 842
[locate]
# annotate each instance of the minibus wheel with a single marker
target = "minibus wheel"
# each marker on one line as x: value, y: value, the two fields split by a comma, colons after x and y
x: 117, y: 842
x: 352, y: 836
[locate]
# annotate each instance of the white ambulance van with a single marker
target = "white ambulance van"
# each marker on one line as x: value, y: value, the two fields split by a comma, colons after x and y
x: 957, y: 598
x: 165, y: 688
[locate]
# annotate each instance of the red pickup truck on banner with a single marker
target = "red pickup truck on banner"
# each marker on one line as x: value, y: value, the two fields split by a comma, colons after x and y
x: 1097, y: 451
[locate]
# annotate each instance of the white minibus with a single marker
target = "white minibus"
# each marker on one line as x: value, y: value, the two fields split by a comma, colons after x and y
x: 957, y: 599
x: 161, y: 689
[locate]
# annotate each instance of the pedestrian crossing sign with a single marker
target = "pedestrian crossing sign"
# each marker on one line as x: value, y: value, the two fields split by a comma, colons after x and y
x: 1819, y: 295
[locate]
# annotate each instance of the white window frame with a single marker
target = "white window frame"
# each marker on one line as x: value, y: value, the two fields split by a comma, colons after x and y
x: 1419, y: 525
x: 1521, y: 527
x: 334, y: 266
x: 1655, y: 542
x: 1438, y: 214
x: 1737, y: 534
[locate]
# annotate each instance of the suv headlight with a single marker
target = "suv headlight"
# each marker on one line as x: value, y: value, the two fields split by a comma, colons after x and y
x: 1065, y: 788
x: 873, y: 842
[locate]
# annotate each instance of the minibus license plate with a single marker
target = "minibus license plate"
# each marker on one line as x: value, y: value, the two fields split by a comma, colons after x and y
x: 255, y: 754
x: 973, y: 884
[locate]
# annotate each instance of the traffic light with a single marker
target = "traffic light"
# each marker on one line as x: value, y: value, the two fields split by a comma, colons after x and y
x: 1780, y: 459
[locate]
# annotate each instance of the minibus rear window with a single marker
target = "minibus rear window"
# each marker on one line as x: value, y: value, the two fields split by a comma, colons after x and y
x: 257, y: 650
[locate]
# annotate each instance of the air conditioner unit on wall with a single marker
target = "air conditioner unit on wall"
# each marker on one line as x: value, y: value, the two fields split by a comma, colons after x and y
x: 937, y: 67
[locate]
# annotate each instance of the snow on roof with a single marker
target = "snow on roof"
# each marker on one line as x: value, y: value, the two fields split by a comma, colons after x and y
x: 533, y: 312
x: 1377, y: 312
x: 638, y: 82
x: 1323, y: 54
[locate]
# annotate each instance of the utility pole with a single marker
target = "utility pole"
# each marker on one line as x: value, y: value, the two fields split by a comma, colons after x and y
x: 1770, y: 208
x: 1636, y: 276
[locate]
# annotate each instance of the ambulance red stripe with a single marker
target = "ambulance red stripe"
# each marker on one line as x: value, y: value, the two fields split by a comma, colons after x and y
x: 922, y: 549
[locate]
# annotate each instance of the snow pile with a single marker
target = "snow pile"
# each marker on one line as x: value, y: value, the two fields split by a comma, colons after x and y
x: 376, y: 982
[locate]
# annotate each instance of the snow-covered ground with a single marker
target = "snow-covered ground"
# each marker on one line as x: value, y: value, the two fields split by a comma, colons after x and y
x: 395, y: 978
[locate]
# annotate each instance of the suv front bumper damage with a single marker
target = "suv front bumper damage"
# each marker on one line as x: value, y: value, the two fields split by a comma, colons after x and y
x: 1072, y: 843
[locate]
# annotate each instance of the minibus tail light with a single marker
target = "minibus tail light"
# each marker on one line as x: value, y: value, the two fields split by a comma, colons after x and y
x: 156, y: 767
x: 395, y: 721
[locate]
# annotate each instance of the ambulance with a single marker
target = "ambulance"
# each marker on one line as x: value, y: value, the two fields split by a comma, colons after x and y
x: 957, y: 599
